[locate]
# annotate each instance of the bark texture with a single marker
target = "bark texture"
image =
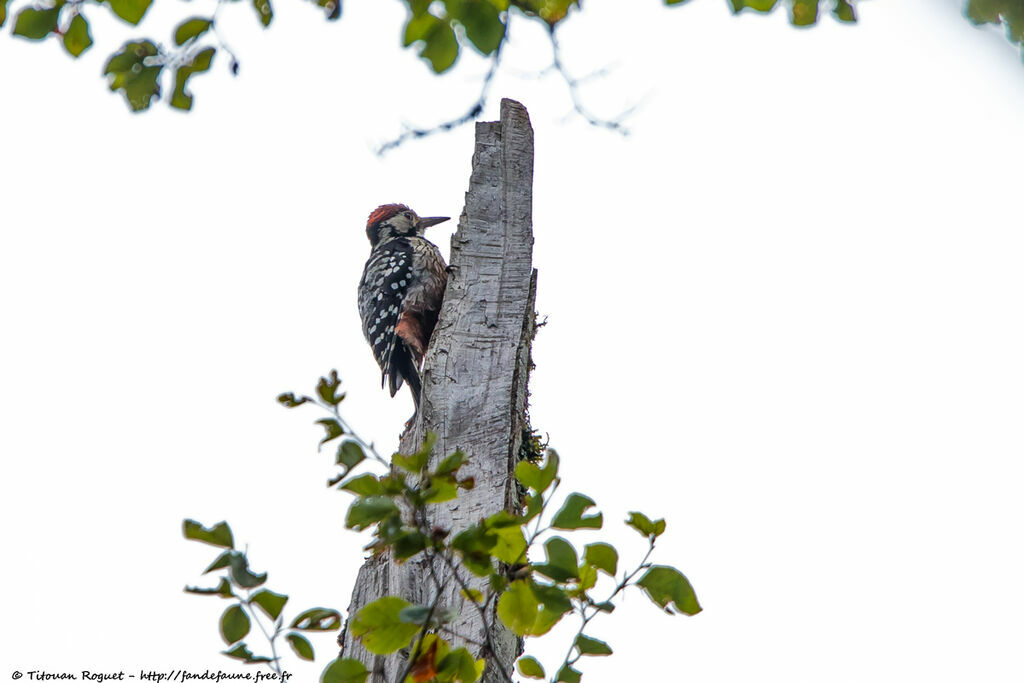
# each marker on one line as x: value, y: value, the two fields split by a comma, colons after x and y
x: 475, y: 378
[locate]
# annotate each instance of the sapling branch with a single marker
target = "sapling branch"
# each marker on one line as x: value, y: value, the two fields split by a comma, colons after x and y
x: 275, y: 663
x: 482, y: 610
x: 588, y: 611
x: 367, y: 446
x: 415, y: 654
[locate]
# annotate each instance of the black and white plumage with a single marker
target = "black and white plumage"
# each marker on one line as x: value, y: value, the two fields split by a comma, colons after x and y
x: 400, y: 293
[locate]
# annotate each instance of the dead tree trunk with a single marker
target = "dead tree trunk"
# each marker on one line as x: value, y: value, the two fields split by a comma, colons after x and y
x: 474, y: 384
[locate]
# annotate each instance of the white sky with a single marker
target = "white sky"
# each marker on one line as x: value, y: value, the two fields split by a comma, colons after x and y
x: 785, y: 314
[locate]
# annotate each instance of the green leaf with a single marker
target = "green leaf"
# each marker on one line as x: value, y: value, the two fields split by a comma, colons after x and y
x: 418, y: 27
x: 187, y: 30
x: 369, y: 510
x: 517, y: 608
x: 317, y: 619
x: 264, y: 11
x: 474, y: 544
x: 332, y: 8
x: 302, y: 647
x: 645, y: 526
x: 181, y: 98
x: 459, y: 665
x: 289, y: 400
x: 498, y: 583
x: 984, y: 11
x: 551, y: 11
x: 588, y: 578
x: 483, y: 24
x: 474, y: 539
x: 332, y: 429
x: 223, y: 589
x: 605, y: 607
x: 223, y: 560
x: 440, y: 491
x: 219, y: 534
x: 240, y: 574
x: 571, y: 514
x: 666, y: 586
x: 408, y: 544
x: 472, y: 594
x: 451, y: 464
x: 129, y: 72
x: 510, y: 547
x: 534, y: 477
x: 272, y: 603
x: 555, y: 604
x: 234, y: 624
x: 567, y: 674
x: 844, y: 11
x: 562, y: 562
x: 77, y: 39
x: 36, y: 24
x: 346, y: 670
x: 350, y: 454
x: 440, y: 48
x: 756, y: 5
x: 415, y: 462
x: 592, y: 646
x: 414, y: 614
x: 530, y: 667
x: 379, y: 627
x: 131, y: 11
x: 551, y: 597
x: 602, y: 556
x: 364, y: 485
x: 531, y: 608
x: 327, y: 389
x: 242, y: 652
x: 803, y: 12
x: 3, y: 11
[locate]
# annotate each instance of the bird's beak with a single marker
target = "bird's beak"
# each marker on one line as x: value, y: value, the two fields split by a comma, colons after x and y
x: 434, y: 220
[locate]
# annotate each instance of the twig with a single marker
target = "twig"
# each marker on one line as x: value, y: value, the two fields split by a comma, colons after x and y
x: 367, y: 446
x: 475, y: 110
x: 482, y: 609
x: 415, y: 654
x: 622, y: 585
x: 573, y: 85
x: 275, y: 665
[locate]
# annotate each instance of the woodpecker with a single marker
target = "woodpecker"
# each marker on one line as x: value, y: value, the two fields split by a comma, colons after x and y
x: 400, y: 293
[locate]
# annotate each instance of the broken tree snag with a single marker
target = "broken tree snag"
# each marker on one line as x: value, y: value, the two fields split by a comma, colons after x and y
x: 475, y: 377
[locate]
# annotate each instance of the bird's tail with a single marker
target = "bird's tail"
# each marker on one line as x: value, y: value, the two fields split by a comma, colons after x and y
x: 402, y: 366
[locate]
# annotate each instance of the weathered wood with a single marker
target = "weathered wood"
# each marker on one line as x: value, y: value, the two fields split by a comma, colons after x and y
x: 474, y: 380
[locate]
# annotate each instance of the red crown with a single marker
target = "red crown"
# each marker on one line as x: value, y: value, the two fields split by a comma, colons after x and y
x: 385, y: 211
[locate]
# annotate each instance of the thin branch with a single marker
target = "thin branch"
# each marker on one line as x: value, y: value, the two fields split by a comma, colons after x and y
x: 415, y: 654
x: 482, y: 609
x: 569, y: 660
x: 275, y: 665
x: 351, y: 433
x: 474, y: 111
x: 573, y: 84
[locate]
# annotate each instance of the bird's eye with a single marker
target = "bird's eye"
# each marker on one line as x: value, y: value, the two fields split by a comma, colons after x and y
x: 408, y: 214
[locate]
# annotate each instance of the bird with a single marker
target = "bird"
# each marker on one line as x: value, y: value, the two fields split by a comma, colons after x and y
x: 400, y: 293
